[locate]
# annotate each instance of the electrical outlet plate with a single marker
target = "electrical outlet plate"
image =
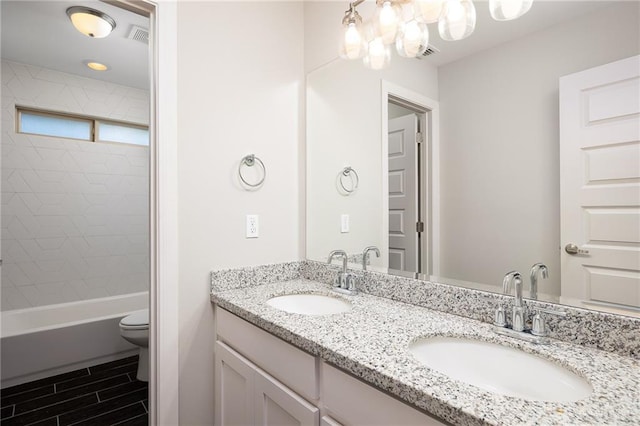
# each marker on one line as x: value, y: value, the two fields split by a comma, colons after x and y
x: 252, y: 226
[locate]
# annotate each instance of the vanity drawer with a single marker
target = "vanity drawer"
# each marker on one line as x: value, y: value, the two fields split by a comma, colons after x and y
x: 293, y: 367
x: 353, y: 402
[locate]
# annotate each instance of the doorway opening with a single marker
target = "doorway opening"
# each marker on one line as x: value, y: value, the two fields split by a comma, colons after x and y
x: 409, y: 138
x: 144, y: 247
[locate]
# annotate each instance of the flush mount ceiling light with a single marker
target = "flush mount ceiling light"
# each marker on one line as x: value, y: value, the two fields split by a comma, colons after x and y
x: 96, y: 66
x: 404, y: 23
x: 91, y: 22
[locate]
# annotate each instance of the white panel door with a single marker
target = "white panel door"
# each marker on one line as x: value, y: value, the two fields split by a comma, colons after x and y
x: 403, y: 194
x: 600, y: 183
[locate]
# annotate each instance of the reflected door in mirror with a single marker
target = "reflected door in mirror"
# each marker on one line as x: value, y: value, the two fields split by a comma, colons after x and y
x: 404, y: 247
x: 600, y: 183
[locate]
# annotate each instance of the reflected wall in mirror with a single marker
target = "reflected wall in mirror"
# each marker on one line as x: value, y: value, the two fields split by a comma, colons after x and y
x: 492, y: 150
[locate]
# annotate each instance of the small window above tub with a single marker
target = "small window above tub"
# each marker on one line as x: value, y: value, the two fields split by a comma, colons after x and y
x: 108, y: 131
x: 57, y: 125
x: 69, y: 126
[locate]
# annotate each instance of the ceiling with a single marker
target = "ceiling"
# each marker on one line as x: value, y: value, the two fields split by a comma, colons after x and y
x: 490, y: 33
x: 40, y: 33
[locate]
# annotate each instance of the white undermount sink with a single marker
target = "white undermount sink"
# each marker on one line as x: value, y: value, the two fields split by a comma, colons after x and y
x: 500, y: 369
x: 309, y: 304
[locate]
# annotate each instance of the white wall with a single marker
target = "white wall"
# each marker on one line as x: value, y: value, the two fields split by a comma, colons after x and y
x: 74, y: 213
x: 499, y: 154
x: 240, y: 91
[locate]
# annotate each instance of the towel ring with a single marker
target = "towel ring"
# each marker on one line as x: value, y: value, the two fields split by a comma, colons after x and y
x: 351, y: 173
x: 249, y: 161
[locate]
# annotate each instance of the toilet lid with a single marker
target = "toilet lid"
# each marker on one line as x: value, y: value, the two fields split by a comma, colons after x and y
x: 136, y: 319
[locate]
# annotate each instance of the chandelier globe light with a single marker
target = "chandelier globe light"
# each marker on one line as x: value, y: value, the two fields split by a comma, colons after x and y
x: 412, y: 39
x: 378, y: 54
x: 352, y: 43
x: 458, y: 20
x: 386, y: 20
x: 403, y: 24
x: 429, y: 10
x: 507, y: 10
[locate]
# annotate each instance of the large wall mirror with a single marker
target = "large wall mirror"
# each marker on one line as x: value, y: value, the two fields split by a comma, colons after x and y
x: 481, y: 183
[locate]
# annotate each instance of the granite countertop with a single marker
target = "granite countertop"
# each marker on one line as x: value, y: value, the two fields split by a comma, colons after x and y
x: 371, y: 341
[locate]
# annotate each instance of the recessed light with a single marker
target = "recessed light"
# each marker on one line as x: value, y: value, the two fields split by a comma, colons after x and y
x: 96, y: 66
x: 91, y: 22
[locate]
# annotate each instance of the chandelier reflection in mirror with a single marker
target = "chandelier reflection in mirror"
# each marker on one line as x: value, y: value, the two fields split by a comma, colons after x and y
x: 403, y: 23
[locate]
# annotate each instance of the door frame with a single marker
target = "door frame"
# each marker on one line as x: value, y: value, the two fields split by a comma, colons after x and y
x: 163, y: 207
x: 430, y: 182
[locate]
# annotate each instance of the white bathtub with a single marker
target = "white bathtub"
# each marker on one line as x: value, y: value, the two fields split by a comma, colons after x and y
x: 54, y: 339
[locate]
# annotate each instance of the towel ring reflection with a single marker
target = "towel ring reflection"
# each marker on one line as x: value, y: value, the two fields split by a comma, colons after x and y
x: 249, y: 161
x: 353, y: 182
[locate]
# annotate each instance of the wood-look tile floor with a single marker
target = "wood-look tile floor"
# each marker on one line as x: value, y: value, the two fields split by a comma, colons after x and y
x: 105, y: 394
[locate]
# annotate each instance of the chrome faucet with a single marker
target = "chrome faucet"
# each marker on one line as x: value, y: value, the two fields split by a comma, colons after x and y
x: 535, y: 269
x: 365, y: 255
x: 344, y: 282
x: 518, y: 309
x: 342, y: 253
x: 538, y: 333
x: 339, y: 281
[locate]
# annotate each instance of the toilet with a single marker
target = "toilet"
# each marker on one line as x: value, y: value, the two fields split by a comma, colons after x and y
x: 135, y: 329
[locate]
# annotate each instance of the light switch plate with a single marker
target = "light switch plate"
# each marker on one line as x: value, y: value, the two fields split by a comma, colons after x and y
x: 252, y: 226
x: 344, y: 223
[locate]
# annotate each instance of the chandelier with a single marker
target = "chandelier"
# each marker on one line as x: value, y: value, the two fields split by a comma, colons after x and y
x: 403, y: 23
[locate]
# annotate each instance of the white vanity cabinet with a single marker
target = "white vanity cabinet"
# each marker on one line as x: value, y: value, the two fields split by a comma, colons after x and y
x: 246, y: 395
x: 262, y: 380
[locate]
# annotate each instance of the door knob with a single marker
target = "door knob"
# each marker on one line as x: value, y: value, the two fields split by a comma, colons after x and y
x: 574, y: 249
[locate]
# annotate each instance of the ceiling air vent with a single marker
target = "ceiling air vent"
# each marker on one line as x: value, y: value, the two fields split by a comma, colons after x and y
x: 139, y: 34
x: 430, y: 51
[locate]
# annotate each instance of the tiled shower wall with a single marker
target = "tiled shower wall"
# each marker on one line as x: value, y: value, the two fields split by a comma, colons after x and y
x: 74, y: 213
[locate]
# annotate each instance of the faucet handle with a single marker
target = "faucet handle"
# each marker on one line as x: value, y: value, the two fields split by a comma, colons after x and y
x: 539, y: 325
x: 350, y: 282
x: 519, y: 314
x: 500, y: 318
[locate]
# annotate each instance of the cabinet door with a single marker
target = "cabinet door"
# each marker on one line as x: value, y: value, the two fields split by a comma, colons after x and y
x: 234, y: 386
x: 288, y: 364
x: 354, y: 403
x: 276, y: 404
x: 328, y: 421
